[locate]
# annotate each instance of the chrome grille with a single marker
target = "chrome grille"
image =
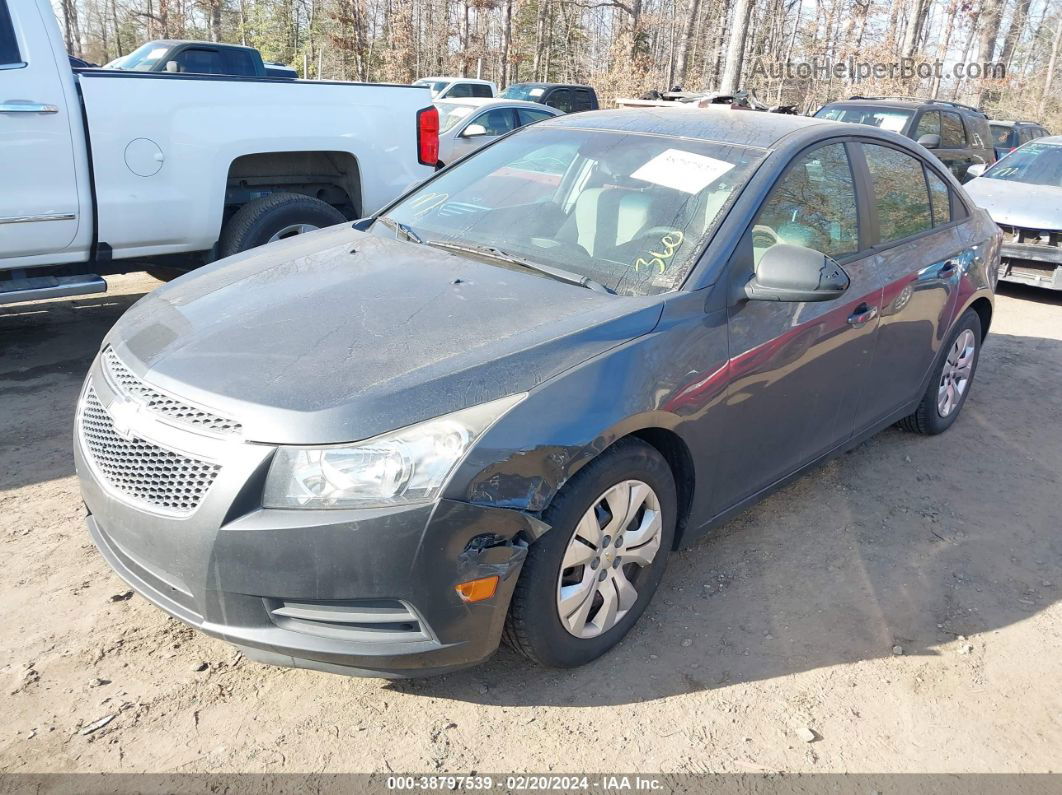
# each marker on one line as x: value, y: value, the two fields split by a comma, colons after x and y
x: 143, y: 472
x: 159, y: 402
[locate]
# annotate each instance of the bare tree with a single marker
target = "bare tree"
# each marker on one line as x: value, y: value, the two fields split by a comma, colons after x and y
x: 735, y: 49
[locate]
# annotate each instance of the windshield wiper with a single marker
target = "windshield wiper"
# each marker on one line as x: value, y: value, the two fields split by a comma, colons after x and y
x: 559, y: 274
x: 405, y: 229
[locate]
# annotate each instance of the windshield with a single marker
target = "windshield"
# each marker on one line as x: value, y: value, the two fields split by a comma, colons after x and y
x: 1036, y: 164
x: 450, y: 115
x: 435, y: 86
x: 525, y: 91
x: 626, y: 210
x: 1001, y: 134
x: 885, y: 118
x: 143, y: 58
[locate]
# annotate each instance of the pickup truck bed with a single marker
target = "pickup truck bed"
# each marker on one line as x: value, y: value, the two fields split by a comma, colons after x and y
x: 109, y: 171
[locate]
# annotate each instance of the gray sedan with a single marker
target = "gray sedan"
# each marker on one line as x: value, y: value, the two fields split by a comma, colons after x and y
x: 1023, y: 194
x: 466, y: 125
x: 497, y: 407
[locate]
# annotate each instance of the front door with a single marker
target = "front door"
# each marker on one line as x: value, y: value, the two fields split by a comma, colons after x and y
x: 39, y: 195
x: 494, y: 123
x: 797, y: 369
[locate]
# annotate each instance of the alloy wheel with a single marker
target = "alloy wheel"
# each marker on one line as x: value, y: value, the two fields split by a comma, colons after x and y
x: 291, y: 230
x: 615, y: 541
x: 955, y: 377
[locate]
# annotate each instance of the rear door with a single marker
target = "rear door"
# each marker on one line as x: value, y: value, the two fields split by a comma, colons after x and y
x: 920, y: 255
x: 797, y: 370
x: 953, y: 151
x: 39, y: 206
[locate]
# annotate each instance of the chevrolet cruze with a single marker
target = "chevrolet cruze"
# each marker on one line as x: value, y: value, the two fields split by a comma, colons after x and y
x: 494, y: 409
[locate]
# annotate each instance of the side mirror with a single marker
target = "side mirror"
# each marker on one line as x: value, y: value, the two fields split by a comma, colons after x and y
x: 795, y: 273
x: 173, y: 67
x: 474, y: 131
x: 930, y: 141
x: 976, y: 170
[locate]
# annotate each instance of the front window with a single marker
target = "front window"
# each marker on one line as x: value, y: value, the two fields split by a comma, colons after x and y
x: 885, y: 118
x: 144, y: 58
x: 1036, y: 164
x: 435, y: 86
x: 450, y: 115
x: 628, y: 211
x: 525, y: 91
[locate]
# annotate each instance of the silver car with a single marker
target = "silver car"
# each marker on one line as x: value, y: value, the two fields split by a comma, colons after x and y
x: 1023, y: 194
x: 466, y: 125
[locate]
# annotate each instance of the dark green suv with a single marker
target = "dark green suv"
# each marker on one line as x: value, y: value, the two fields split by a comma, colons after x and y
x: 957, y: 134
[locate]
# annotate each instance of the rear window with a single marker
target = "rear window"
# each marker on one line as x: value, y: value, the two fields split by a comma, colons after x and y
x: 977, y: 132
x: 886, y: 118
x: 8, y: 44
x: 1001, y: 134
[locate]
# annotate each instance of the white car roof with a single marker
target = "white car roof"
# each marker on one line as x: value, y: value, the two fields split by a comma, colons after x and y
x: 457, y: 80
x: 479, y: 102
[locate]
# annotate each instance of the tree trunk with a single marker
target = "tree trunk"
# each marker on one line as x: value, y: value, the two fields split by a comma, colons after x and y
x: 1050, y: 71
x: 945, y: 42
x: 986, y: 45
x: 915, y: 25
x: 735, y: 48
x: 506, y: 42
x: 682, y: 54
x: 1014, y: 31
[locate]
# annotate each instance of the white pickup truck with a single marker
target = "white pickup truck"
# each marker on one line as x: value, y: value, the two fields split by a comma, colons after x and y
x: 106, y: 171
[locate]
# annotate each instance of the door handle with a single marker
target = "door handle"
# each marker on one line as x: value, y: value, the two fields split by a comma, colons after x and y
x: 947, y: 268
x: 18, y: 106
x: 863, y: 315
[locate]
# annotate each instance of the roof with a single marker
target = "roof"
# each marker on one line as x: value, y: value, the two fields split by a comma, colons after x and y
x: 747, y: 127
x: 454, y: 79
x: 907, y: 103
x: 479, y: 102
x: 176, y: 42
x: 1054, y: 140
x: 548, y: 85
x: 1012, y: 123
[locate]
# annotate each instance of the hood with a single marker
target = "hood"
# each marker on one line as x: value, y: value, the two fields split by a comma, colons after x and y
x: 1018, y: 203
x: 340, y: 335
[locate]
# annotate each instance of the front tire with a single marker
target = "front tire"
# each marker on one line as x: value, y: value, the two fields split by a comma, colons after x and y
x: 952, y: 379
x: 275, y: 217
x: 586, y: 582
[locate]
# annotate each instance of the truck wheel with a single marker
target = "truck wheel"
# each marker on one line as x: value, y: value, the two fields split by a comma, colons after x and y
x: 275, y: 217
x: 585, y: 582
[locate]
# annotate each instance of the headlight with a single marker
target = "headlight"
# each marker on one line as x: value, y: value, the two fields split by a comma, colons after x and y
x: 403, y: 466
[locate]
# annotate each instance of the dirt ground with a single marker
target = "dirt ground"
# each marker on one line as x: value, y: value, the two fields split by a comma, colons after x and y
x: 786, y: 619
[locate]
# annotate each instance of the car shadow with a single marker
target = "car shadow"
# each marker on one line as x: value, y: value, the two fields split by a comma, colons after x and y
x: 45, y: 350
x: 907, y: 541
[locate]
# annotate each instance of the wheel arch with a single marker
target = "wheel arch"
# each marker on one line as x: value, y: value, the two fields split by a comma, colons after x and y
x: 983, y: 307
x: 333, y: 177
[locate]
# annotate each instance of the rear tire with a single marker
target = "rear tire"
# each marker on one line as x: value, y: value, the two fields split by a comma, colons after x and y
x: 955, y: 371
x: 278, y: 215
x: 620, y: 571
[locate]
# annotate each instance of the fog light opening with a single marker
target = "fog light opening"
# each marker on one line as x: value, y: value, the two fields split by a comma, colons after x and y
x: 478, y: 590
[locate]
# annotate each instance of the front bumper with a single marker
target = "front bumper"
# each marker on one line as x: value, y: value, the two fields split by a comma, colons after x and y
x: 1036, y: 265
x: 365, y: 592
